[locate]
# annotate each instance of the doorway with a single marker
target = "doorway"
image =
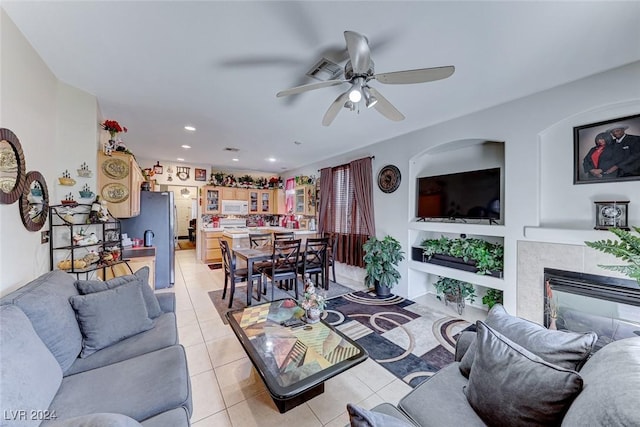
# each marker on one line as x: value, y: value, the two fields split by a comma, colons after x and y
x: 186, y: 201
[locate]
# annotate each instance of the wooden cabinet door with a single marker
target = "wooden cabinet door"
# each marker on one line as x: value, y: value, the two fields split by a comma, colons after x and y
x: 255, y: 201
x: 119, y: 179
x: 212, y: 197
x: 266, y: 204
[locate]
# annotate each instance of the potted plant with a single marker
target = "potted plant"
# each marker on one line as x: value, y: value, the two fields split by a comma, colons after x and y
x: 381, y: 259
x: 453, y: 290
x: 492, y: 297
x: 627, y: 249
x: 482, y: 256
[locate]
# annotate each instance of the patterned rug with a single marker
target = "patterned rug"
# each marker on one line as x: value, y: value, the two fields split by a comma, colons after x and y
x: 408, y: 339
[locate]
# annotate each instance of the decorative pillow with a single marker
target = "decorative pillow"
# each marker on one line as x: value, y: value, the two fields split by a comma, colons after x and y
x: 509, y: 385
x: 142, y: 275
x: 361, y: 417
x: 110, y: 316
x: 567, y: 349
x: 98, y: 420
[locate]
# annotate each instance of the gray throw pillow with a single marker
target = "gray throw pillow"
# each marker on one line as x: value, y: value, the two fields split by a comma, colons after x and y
x: 142, y: 275
x: 509, y: 385
x: 110, y: 316
x: 567, y: 349
x: 360, y: 417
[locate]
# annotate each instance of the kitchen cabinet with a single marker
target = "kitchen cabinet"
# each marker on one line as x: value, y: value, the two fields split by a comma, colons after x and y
x: 211, y: 199
x: 260, y: 201
x: 233, y: 193
x: 119, y: 180
x: 305, y: 200
x: 211, y: 253
x: 279, y: 202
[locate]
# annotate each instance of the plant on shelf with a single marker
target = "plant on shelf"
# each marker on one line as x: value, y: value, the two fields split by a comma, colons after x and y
x: 450, y: 289
x: 492, y: 297
x: 486, y: 256
x: 627, y: 249
x: 381, y: 259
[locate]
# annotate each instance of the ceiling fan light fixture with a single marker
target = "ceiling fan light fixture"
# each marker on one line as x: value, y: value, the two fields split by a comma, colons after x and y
x: 349, y: 105
x: 355, y: 95
x: 369, y: 100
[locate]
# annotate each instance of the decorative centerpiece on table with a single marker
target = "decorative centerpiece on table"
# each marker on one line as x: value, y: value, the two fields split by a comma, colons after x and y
x: 114, y: 128
x: 313, y: 303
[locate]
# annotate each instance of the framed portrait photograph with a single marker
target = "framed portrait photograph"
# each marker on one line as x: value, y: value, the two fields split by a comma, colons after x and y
x: 607, y: 151
x: 201, y: 174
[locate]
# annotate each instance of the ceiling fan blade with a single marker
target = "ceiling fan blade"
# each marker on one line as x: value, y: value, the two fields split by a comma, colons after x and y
x: 359, y: 53
x: 421, y: 75
x: 385, y: 108
x: 334, y: 109
x: 306, y: 88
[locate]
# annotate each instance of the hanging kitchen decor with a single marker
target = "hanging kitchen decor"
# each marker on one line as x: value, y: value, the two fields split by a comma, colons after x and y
x: 157, y: 168
x: 183, y: 172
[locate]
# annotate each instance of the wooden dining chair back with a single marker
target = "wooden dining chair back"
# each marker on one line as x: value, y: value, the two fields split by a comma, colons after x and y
x: 233, y: 275
x: 259, y: 240
x: 331, y: 254
x: 284, y: 263
x: 284, y: 235
x: 314, y: 260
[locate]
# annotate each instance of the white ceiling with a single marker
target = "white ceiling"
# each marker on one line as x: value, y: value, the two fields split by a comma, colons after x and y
x: 156, y: 66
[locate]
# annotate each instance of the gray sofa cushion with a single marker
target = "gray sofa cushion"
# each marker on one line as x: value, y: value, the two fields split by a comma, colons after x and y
x: 110, y: 316
x: 439, y: 401
x: 45, y: 301
x: 29, y: 374
x: 360, y: 417
x: 178, y: 417
x: 163, y: 334
x: 98, y: 420
x: 141, y: 277
x: 167, y: 301
x: 566, y: 349
x: 611, y: 388
x: 141, y: 387
x: 510, y: 384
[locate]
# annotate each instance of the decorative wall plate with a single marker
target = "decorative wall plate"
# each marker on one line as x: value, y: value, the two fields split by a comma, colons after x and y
x: 115, y: 168
x: 115, y: 192
x: 389, y: 179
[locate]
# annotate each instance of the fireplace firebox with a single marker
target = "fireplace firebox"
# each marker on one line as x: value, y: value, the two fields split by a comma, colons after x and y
x: 581, y: 302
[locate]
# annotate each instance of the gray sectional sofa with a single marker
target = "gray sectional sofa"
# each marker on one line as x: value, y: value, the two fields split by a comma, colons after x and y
x: 91, y: 353
x: 512, y: 372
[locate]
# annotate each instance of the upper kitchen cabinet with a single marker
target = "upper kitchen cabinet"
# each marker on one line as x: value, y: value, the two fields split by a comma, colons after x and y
x: 305, y: 200
x: 119, y: 181
x: 233, y: 193
x: 211, y: 198
x: 261, y: 201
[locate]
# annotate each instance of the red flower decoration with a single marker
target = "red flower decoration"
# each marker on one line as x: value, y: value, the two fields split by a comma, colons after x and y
x: 113, y: 127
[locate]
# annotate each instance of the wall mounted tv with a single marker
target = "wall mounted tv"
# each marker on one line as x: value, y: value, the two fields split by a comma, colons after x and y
x: 466, y: 195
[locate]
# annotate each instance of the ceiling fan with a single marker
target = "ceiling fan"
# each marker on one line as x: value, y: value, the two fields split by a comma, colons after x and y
x: 358, y: 71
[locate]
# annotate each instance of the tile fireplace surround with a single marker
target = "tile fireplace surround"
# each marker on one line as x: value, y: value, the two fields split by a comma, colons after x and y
x: 534, y: 257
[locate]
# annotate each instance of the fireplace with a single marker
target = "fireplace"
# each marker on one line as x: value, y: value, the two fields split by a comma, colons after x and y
x: 581, y: 302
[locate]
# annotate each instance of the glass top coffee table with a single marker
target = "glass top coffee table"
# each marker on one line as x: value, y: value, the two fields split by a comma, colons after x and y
x: 295, y: 361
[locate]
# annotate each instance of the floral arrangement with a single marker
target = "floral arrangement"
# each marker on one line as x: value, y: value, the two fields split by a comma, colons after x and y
x: 311, y: 298
x: 113, y: 127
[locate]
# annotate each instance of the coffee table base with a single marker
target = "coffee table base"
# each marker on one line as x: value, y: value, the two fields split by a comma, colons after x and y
x: 285, y: 405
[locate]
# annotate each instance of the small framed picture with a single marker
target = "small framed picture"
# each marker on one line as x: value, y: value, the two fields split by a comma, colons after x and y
x: 201, y: 174
x: 607, y: 151
x: 612, y: 215
x: 157, y: 168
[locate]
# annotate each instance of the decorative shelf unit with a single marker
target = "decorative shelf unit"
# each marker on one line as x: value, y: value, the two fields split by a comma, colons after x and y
x: 102, y: 239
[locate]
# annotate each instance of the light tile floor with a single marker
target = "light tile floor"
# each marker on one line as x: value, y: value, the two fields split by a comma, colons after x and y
x: 227, y: 390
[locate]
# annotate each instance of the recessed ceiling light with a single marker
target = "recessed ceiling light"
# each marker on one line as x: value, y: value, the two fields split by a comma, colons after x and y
x: 190, y: 128
x: 297, y: 142
x: 180, y: 159
x: 271, y: 159
x: 236, y: 160
x: 185, y: 146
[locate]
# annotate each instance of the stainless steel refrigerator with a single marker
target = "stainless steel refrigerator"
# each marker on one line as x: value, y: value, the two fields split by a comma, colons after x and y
x: 157, y: 213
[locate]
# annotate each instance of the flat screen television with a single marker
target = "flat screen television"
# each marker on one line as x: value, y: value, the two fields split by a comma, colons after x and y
x: 468, y: 195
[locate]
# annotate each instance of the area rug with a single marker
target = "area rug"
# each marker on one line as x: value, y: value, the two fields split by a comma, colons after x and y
x: 214, y: 266
x: 409, y: 340
x: 240, y: 297
x: 186, y: 244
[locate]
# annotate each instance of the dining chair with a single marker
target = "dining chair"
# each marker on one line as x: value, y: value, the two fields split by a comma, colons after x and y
x: 284, y: 264
x: 314, y: 260
x: 260, y: 240
x: 284, y: 235
x: 331, y: 253
x: 233, y: 275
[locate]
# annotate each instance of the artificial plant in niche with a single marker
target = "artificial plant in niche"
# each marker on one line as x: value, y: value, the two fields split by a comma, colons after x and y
x: 484, y: 256
x: 627, y: 249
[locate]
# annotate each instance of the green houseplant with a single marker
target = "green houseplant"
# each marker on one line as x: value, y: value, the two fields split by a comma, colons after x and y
x: 381, y: 259
x: 492, y: 297
x: 627, y: 249
x: 453, y: 290
x: 487, y: 257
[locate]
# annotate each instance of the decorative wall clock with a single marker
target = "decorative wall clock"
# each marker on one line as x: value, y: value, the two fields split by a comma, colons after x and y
x: 389, y: 178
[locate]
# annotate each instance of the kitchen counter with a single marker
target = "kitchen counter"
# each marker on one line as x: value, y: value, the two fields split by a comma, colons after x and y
x: 239, y: 233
